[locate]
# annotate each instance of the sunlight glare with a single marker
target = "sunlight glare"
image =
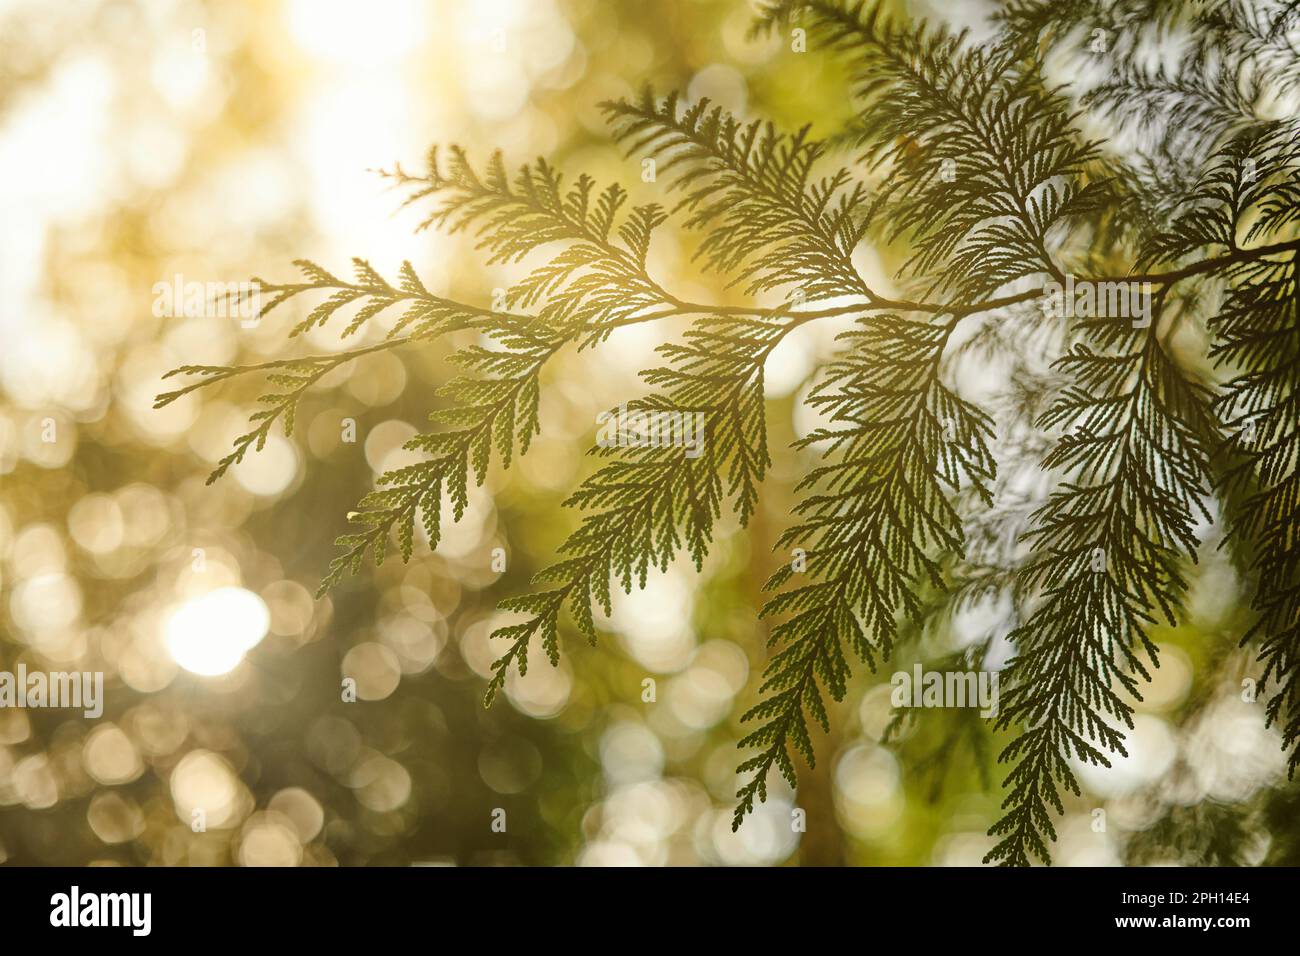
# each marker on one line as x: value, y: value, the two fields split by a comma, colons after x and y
x: 347, y: 32
x: 210, y: 634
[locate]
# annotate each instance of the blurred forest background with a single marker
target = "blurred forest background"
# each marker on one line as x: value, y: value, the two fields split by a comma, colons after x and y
x: 142, y: 141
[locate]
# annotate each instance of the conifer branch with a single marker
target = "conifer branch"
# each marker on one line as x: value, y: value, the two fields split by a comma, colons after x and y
x: 899, y: 442
x: 972, y: 161
x: 1259, y: 336
x: 658, y: 499
x: 1135, y: 453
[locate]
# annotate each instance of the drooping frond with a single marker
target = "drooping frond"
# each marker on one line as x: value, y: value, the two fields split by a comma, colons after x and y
x: 984, y: 160
x: 1134, y: 455
x: 766, y: 221
x: 1259, y: 337
x: 1254, y: 179
x: 697, y: 442
x: 496, y: 409
x: 877, y: 515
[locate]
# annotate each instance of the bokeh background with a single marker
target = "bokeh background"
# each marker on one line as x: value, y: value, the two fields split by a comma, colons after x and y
x: 140, y: 141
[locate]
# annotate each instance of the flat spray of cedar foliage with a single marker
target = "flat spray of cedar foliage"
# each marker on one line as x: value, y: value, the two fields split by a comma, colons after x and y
x: 966, y: 152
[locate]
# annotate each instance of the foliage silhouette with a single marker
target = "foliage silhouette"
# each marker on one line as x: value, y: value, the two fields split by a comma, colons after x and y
x: 965, y: 152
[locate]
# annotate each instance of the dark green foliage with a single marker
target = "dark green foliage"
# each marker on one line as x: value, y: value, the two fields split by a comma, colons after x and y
x: 655, y: 501
x: 427, y: 316
x: 897, y: 443
x: 1106, y: 562
x: 1259, y: 327
x: 983, y: 160
x: 767, y: 220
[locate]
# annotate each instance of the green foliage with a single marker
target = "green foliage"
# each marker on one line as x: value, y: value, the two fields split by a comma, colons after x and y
x: 983, y: 160
x: 427, y: 316
x: 896, y: 437
x: 1135, y: 440
x: 767, y: 220
x: 969, y: 157
x: 1259, y: 330
x: 586, y: 288
x: 658, y: 500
